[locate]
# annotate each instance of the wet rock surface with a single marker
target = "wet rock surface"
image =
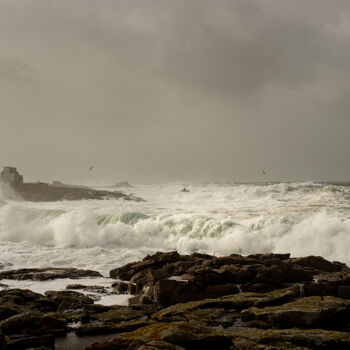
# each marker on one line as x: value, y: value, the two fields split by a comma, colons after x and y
x: 309, y: 312
x: 262, y: 301
x: 170, y: 278
x: 293, y: 338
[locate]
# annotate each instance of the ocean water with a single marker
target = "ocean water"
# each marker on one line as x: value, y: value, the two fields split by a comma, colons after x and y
x: 302, y: 218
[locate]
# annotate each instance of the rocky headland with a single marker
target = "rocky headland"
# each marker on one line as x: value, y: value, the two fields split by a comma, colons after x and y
x: 12, y: 185
x: 44, y: 192
x: 197, y: 301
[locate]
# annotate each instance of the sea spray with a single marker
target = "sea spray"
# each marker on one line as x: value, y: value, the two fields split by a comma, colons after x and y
x: 301, y: 218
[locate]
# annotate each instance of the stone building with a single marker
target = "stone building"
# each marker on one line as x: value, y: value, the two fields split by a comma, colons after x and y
x: 11, y: 177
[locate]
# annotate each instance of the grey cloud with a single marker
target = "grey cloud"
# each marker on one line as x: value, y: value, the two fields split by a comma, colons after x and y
x: 176, y: 89
x: 15, y: 69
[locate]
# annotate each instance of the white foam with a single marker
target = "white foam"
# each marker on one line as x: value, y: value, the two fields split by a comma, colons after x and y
x: 41, y: 287
x: 301, y: 218
x: 117, y: 299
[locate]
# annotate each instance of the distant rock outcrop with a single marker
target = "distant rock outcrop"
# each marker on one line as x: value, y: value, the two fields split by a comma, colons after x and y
x: 12, y: 181
x: 49, y: 273
x: 124, y: 184
x: 43, y: 192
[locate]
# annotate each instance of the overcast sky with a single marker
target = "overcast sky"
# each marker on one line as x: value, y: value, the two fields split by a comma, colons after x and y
x: 212, y: 90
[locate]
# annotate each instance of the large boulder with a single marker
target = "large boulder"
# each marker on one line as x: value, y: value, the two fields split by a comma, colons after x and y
x: 290, y: 339
x: 338, y: 278
x: 118, y: 313
x: 235, y: 302
x: 20, y: 300
x: 318, y: 263
x: 322, y: 288
x: 155, y: 261
x: 184, y: 335
x: 40, y: 342
x: 66, y: 300
x: 309, y: 312
x: 33, y: 324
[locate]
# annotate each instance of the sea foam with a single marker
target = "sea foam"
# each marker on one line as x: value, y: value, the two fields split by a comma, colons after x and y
x: 303, y: 219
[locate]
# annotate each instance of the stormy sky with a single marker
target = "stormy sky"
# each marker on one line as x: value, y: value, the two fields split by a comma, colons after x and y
x: 166, y: 90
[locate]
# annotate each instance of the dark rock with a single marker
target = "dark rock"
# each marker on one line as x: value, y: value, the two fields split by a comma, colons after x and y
x: 85, y: 313
x: 167, y: 292
x: 182, y: 334
x: 343, y: 292
x: 121, y: 287
x: 96, y: 289
x: 41, y: 341
x: 155, y: 261
x: 69, y: 299
x: 21, y: 300
x: 33, y: 324
x: 116, y: 314
x: 338, y: 278
x: 218, y: 290
x: 317, y: 263
x: 141, y: 299
x: 270, y: 274
x: 261, y: 287
x: 159, y: 345
x: 111, y: 328
x: 295, y: 274
x: 309, y: 312
x: 170, y: 278
x: 45, y: 274
x: 148, y: 276
x: 43, y: 192
x: 233, y: 302
x: 132, y: 288
x: 291, y: 339
x: 245, y: 275
x: 66, y: 293
x: 7, y: 311
x: 2, y: 341
x: 322, y: 288
x: 269, y: 256
x: 92, y: 289
x: 75, y: 286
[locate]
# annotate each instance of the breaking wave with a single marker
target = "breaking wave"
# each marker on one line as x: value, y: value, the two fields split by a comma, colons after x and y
x: 303, y: 219
x: 319, y: 234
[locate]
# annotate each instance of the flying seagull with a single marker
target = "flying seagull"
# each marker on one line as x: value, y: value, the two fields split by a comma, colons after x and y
x: 91, y: 167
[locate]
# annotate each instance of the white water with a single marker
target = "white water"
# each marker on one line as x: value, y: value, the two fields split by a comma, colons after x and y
x: 108, y: 298
x: 220, y: 219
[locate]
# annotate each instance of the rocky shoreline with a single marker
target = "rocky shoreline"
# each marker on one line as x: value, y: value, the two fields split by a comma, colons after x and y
x: 43, y: 192
x: 187, y: 302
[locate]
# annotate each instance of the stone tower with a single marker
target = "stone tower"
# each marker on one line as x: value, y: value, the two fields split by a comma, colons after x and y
x: 11, y: 177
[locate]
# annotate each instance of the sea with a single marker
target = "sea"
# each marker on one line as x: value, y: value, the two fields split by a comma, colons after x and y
x: 301, y: 218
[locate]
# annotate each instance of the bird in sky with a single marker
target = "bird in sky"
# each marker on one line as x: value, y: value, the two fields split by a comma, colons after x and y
x: 264, y: 172
x: 91, y: 167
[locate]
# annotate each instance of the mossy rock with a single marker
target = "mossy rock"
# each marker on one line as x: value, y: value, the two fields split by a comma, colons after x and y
x: 237, y: 302
x: 253, y: 338
x: 310, y: 312
x: 183, y: 334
